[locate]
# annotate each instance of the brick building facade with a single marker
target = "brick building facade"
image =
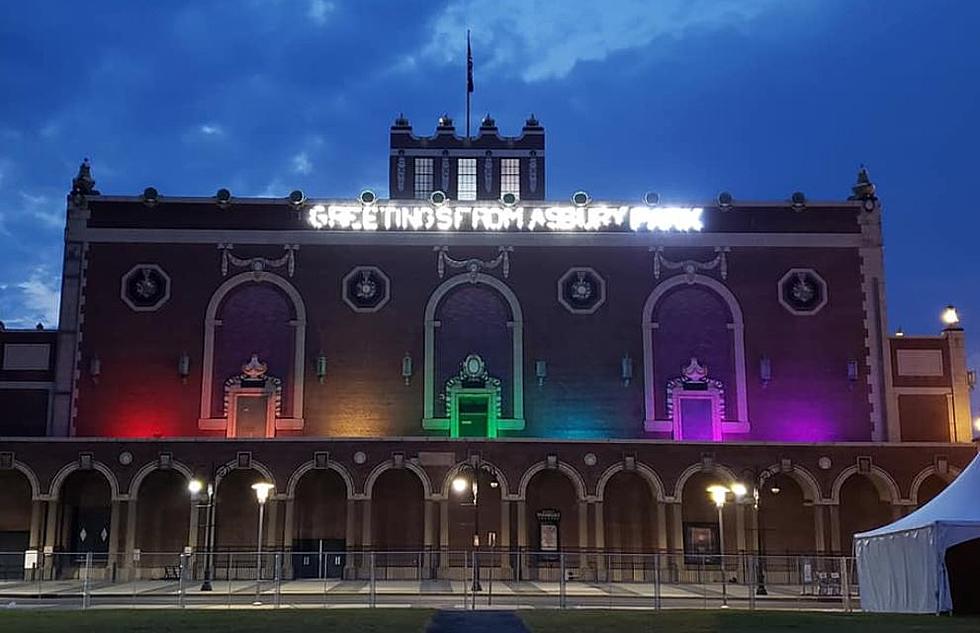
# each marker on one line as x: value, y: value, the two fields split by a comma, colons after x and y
x: 607, y: 359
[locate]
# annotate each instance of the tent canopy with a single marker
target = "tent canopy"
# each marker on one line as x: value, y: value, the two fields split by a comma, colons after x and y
x: 902, y: 566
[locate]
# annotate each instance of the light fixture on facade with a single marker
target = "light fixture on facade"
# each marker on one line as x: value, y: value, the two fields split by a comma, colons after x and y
x: 95, y: 368
x: 626, y: 370
x: 183, y: 366
x: 321, y: 367
x: 297, y: 197
x: 580, y: 198
x: 725, y: 200
x: 407, y: 368
x: 852, y: 372
x: 765, y: 370
x: 438, y: 197
x: 195, y: 486
x: 150, y: 196
x: 541, y: 370
x: 799, y: 200
x: 899, y: 333
x: 971, y: 378
x: 223, y: 197
x: 951, y: 318
x: 367, y: 197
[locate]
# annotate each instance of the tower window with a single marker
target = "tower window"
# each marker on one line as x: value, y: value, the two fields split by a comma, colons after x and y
x: 423, y: 178
x: 466, y: 179
x: 510, y: 176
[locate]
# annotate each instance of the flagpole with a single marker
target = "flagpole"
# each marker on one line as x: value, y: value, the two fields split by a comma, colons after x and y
x: 469, y: 81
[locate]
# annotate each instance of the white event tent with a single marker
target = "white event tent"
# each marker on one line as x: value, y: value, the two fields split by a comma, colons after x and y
x: 902, y: 566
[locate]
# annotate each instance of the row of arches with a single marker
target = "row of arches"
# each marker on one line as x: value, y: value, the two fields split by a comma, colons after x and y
x: 399, y: 510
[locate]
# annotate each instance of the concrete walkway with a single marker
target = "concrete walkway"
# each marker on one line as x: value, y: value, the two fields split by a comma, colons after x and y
x: 476, y: 622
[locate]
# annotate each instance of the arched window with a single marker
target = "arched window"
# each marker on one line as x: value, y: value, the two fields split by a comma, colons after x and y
x: 253, y: 367
x: 473, y: 358
x: 694, y: 360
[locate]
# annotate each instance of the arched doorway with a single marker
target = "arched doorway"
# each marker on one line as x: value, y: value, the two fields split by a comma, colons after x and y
x: 629, y: 513
x: 552, y: 519
x: 398, y: 523
x: 163, y: 508
x: 319, y: 543
x: 694, y: 375
x: 15, y: 523
x: 863, y: 506
x: 253, y: 359
x: 786, y: 518
x: 86, y: 519
x: 473, y: 358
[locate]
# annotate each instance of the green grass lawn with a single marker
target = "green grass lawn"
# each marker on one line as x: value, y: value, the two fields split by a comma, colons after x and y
x: 208, y: 621
x: 739, y: 622
x: 415, y: 620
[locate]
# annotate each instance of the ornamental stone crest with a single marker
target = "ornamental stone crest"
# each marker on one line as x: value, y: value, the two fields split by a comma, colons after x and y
x: 258, y: 264
x: 691, y: 266
x: 802, y: 291
x: 472, y: 375
x: 255, y: 375
x: 474, y: 266
x: 145, y: 288
x: 366, y: 289
x: 581, y: 290
x: 694, y: 377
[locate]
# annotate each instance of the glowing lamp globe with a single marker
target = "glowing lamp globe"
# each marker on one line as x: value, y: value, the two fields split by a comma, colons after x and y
x: 459, y: 484
x: 262, y: 490
x: 739, y: 489
x: 718, y: 494
x: 950, y: 317
x: 195, y: 486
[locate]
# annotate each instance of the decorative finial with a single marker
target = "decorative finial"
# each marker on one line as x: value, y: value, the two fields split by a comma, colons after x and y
x: 863, y: 189
x: 445, y: 120
x: 402, y: 120
x: 532, y: 121
x: 488, y: 122
x: 83, y: 183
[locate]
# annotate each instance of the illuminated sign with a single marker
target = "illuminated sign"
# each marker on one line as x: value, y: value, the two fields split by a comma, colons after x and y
x: 500, y: 217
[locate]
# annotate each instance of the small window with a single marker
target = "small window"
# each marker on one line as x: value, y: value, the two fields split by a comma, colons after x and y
x: 423, y: 178
x: 510, y: 176
x: 466, y: 179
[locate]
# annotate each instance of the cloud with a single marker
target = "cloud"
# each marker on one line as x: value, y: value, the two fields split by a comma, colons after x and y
x: 538, y: 42
x: 301, y: 163
x: 41, y: 208
x: 211, y: 129
x: 319, y: 11
x: 41, y: 297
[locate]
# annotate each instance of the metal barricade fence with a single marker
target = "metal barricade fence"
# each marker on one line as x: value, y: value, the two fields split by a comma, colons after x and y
x: 431, y: 577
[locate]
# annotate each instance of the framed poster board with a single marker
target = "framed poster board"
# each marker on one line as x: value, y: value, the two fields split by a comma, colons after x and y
x: 549, y: 534
x: 702, y: 543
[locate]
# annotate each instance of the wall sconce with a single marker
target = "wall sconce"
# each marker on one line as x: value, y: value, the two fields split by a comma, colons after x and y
x: 183, y: 366
x: 971, y: 378
x: 765, y: 370
x: 626, y: 370
x: 321, y: 367
x: 852, y: 372
x: 407, y: 368
x: 541, y: 370
x: 95, y: 368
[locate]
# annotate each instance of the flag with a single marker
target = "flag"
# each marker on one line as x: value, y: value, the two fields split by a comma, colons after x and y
x: 469, y: 64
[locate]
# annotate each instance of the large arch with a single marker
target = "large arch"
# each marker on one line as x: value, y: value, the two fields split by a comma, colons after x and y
x: 447, y: 481
x: 32, y: 479
x: 306, y: 467
x: 147, y: 469
x: 16, y: 520
x: 951, y: 474
x: 160, y: 520
x: 644, y: 471
x: 738, y: 345
x: 397, y: 518
x: 724, y: 472
x: 576, y: 478
x: 231, y: 466
x: 54, y: 489
x: 207, y: 363
x: 884, y: 483
x: 429, y: 419
x: 390, y: 465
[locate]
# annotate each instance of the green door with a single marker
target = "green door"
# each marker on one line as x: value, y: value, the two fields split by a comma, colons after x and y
x: 474, y: 415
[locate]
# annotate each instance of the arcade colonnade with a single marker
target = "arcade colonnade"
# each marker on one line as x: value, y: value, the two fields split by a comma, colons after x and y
x: 402, y: 507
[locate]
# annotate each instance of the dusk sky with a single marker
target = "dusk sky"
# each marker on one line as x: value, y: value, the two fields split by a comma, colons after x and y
x: 683, y: 97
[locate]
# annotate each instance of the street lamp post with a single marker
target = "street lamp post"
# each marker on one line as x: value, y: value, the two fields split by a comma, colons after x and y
x: 719, y: 494
x: 469, y: 477
x: 196, y: 486
x: 262, y: 490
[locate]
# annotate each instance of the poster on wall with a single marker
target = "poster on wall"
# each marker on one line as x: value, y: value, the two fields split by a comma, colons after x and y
x: 701, y: 543
x: 548, y: 521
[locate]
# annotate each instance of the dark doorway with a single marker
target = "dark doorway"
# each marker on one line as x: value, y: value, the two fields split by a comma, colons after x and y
x: 319, y: 558
x: 962, y: 563
x: 474, y: 415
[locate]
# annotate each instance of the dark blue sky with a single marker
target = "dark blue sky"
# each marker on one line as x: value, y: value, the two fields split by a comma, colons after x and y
x: 688, y: 98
